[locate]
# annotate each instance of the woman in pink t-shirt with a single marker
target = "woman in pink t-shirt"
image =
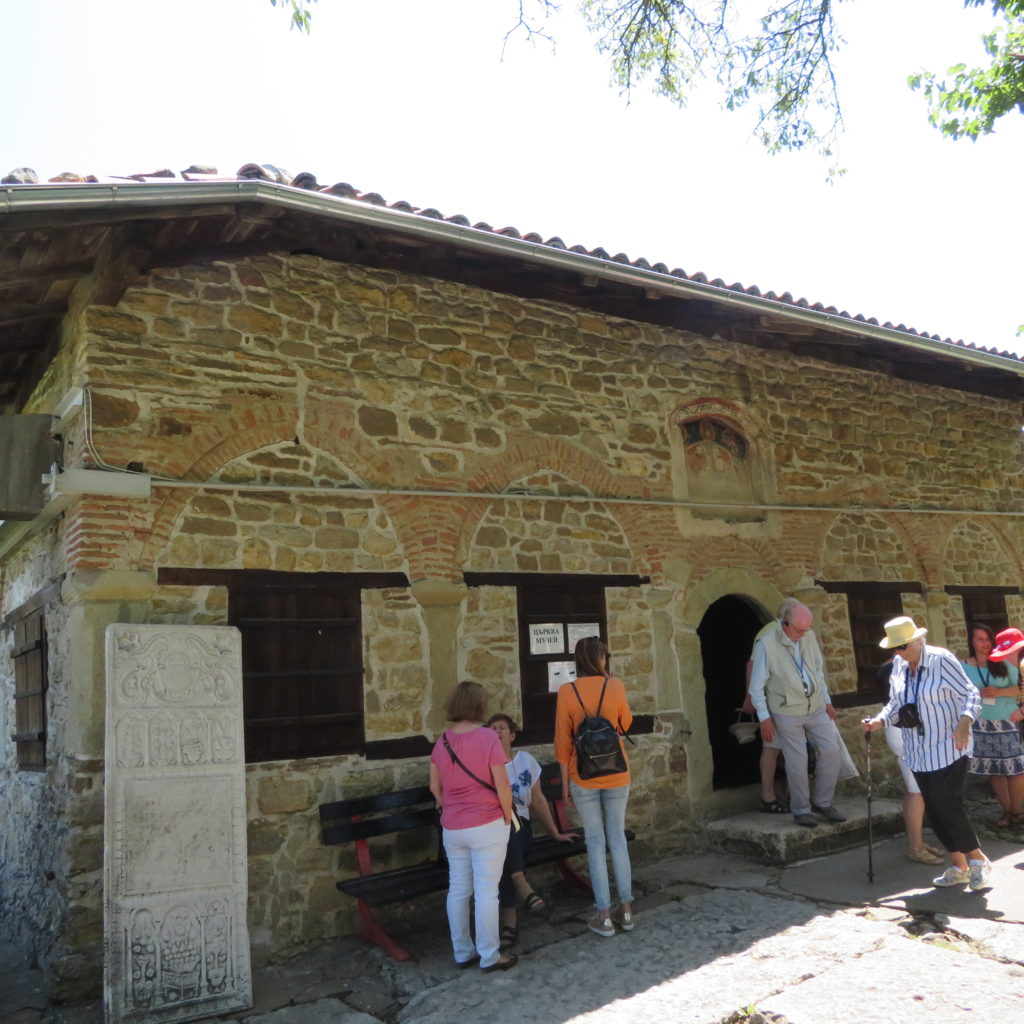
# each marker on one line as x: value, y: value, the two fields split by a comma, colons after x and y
x: 469, y: 782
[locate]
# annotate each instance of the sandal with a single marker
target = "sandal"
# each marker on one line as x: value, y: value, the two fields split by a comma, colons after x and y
x: 1006, y: 819
x: 924, y: 856
x: 534, y: 902
x: 774, y: 807
x: 509, y: 934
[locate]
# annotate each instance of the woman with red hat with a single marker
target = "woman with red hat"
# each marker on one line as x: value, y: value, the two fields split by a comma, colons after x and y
x: 1009, y: 644
x: 998, y: 750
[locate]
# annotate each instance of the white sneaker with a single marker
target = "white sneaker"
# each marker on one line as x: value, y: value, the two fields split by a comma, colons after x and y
x: 953, y: 876
x: 979, y: 871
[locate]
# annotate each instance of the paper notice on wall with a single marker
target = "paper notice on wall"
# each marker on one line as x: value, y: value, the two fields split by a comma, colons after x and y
x: 559, y: 673
x: 579, y: 630
x: 547, y: 638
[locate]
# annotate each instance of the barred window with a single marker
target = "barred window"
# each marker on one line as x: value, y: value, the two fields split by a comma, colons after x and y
x: 302, y: 656
x: 30, y: 683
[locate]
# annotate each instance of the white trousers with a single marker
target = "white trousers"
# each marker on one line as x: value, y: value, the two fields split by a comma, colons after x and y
x: 794, y: 731
x: 475, y: 859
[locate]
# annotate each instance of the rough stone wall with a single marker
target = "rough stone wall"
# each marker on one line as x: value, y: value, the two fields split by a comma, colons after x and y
x: 51, y: 839
x: 295, y: 372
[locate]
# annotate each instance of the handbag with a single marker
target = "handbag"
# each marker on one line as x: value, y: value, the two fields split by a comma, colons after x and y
x: 516, y: 823
x: 743, y: 732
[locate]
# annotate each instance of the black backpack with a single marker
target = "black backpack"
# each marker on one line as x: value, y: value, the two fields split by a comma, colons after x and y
x: 598, y: 750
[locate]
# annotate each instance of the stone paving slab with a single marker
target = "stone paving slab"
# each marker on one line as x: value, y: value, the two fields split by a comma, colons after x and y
x: 658, y: 972
x: 842, y: 878
x: 322, y: 1011
x: 716, y: 934
x: 907, y: 982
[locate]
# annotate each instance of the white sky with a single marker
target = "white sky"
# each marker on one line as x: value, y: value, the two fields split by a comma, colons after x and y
x: 414, y: 100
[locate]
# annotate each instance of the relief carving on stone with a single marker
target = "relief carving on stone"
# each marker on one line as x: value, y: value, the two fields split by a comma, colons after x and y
x: 175, y: 878
x: 180, y: 952
x: 186, y: 672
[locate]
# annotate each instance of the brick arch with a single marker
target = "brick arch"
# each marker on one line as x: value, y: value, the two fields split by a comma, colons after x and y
x: 712, y: 556
x: 168, y: 511
x: 330, y: 426
x: 526, y: 456
x: 211, y: 450
x: 1003, y: 565
x: 619, y: 554
x: 904, y: 544
x: 199, y: 455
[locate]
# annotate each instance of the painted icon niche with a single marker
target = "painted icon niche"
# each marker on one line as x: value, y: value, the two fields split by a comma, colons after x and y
x: 717, y: 461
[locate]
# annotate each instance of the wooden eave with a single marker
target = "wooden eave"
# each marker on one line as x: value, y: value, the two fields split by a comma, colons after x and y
x: 48, y: 257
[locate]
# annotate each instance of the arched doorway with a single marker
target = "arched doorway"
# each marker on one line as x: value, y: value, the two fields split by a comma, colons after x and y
x: 726, y: 634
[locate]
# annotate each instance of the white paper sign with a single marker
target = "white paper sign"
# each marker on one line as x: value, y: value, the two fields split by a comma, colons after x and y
x: 560, y: 673
x: 579, y: 630
x: 547, y: 638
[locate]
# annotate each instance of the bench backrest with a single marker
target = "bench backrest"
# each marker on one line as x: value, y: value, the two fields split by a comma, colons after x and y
x: 363, y: 817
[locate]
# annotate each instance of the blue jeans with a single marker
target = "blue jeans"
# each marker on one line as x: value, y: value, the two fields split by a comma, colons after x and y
x: 603, y: 816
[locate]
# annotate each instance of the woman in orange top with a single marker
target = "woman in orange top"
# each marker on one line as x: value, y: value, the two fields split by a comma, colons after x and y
x: 601, y: 801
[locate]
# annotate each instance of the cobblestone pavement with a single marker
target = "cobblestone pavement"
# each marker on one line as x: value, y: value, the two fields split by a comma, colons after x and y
x: 717, y: 939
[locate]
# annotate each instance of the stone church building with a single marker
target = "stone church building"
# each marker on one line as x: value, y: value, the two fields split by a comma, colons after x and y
x: 394, y: 449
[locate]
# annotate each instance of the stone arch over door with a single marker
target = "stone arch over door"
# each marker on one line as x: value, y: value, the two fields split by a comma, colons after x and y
x: 757, y: 594
x: 726, y: 634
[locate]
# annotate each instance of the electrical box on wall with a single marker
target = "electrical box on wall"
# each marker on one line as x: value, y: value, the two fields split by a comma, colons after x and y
x: 27, y: 451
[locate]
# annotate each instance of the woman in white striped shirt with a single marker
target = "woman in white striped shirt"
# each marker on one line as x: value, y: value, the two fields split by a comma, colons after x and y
x: 937, y: 741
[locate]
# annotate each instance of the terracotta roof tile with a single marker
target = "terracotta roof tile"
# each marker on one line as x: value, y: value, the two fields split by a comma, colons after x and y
x: 308, y: 182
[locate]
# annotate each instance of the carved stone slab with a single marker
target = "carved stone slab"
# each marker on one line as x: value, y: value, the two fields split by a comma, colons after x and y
x: 176, y: 941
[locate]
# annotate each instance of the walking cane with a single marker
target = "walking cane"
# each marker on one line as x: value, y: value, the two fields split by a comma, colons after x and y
x: 871, y: 864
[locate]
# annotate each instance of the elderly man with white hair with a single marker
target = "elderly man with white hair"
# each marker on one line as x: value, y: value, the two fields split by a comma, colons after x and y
x: 788, y: 691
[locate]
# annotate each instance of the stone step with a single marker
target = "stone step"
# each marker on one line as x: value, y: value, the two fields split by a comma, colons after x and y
x: 777, y: 839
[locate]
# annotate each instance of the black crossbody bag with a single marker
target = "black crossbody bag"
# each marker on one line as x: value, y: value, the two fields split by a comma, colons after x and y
x: 517, y: 823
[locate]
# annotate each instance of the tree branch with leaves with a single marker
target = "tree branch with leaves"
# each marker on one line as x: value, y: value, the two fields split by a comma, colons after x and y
x: 970, y: 104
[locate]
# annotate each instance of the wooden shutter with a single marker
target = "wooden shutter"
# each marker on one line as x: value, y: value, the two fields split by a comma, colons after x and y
x: 301, y: 668
x: 30, y: 690
x: 869, y: 612
x: 984, y: 605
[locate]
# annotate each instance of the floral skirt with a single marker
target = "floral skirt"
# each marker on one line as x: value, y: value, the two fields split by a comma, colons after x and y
x: 998, y: 749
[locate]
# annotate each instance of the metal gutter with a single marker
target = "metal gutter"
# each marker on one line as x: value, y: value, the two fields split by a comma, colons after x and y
x: 30, y: 198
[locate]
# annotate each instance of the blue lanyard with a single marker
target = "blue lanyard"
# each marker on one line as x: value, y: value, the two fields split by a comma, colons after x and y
x: 807, y: 685
x: 916, y: 680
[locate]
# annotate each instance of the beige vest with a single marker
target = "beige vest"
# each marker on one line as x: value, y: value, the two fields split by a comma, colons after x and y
x: 784, y: 688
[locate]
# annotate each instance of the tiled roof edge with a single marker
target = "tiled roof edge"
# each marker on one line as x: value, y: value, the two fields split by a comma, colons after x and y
x: 24, y: 179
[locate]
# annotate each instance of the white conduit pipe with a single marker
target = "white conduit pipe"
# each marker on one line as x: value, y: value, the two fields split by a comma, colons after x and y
x: 409, y: 492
